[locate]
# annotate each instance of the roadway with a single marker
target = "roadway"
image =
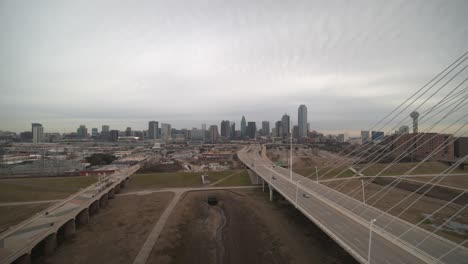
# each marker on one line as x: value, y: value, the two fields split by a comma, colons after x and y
x: 347, y: 220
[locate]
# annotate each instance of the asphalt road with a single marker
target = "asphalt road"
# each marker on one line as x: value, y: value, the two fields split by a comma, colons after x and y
x: 347, y: 219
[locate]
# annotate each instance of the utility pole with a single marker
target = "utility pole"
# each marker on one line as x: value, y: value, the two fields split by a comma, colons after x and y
x: 316, y: 173
x: 290, y: 155
x: 370, y: 240
x: 363, y: 193
x: 297, y: 190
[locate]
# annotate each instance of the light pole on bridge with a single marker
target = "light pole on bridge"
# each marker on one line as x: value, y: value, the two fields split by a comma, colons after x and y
x: 297, y: 190
x: 370, y: 240
x: 363, y: 193
x: 290, y: 149
x: 316, y: 173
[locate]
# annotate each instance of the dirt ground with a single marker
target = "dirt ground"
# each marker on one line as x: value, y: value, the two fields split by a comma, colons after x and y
x: 244, y: 227
x: 397, y: 200
x: 115, y: 234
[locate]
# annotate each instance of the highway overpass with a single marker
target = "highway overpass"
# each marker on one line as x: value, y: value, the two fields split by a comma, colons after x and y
x: 348, y: 220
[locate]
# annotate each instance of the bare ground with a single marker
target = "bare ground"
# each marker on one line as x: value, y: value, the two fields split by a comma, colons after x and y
x: 243, y: 228
x: 116, y: 233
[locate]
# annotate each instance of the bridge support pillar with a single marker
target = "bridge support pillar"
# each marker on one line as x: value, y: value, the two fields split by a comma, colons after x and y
x: 83, y: 217
x: 94, y: 207
x: 271, y: 192
x: 117, y: 189
x: 122, y: 184
x: 50, y: 244
x: 103, y: 201
x: 70, y: 229
x: 25, y: 259
x: 263, y: 185
x: 111, y: 194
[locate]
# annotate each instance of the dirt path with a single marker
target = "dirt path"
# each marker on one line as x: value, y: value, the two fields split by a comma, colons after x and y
x: 244, y: 227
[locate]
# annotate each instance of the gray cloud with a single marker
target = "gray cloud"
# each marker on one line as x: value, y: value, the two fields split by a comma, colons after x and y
x: 64, y: 63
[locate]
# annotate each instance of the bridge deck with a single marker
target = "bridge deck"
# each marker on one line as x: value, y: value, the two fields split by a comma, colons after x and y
x: 347, y: 219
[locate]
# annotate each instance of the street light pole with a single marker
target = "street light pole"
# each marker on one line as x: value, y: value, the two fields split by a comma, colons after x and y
x: 363, y: 193
x: 316, y: 173
x: 370, y: 240
x: 297, y: 190
x: 290, y: 155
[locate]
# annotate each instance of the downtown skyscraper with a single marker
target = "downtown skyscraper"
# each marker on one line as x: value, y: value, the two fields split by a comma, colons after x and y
x: 153, y: 130
x: 243, y: 127
x: 302, y: 121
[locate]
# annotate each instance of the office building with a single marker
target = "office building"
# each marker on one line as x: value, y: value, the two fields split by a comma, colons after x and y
x: 278, y: 129
x: 213, y: 134
x: 461, y: 147
x: 364, y: 136
x: 285, y: 125
x: 197, y: 135
x: 233, y: 130
x: 302, y: 121
x: 243, y: 127
x: 265, y: 128
x: 153, y: 130
x: 203, y: 127
x: 420, y: 146
x: 114, y: 135
x: 105, y: 129
x: 295, y: 133
x: 94, y: 132
x: 33, y: 125
x: 377, y: 135
x: 340, y: 138
x: 226, y: 129
x: 251, y: 130
x: 38, y: 133
x: 128, y: 132
x: 82, y: 131
x: 166, y: 132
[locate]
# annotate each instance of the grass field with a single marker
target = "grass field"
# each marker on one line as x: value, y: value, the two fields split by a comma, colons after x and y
x: 35, y: 189
x: 174, y: 179
x: 401, y: 168
x: 311, y: 171
x: 241, y: 179
x: 23, y: 212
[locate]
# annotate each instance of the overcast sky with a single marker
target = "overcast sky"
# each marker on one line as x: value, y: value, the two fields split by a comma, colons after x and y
x: 123, y: 63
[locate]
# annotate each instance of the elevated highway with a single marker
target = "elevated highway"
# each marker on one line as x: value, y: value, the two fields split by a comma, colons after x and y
x: 348, y: 221
x: 42, y: 231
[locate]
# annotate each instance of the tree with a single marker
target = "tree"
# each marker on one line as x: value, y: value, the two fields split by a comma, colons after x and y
x: 100, y: 159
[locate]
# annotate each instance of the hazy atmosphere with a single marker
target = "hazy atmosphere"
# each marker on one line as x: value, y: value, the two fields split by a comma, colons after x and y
x: 122, y: 63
